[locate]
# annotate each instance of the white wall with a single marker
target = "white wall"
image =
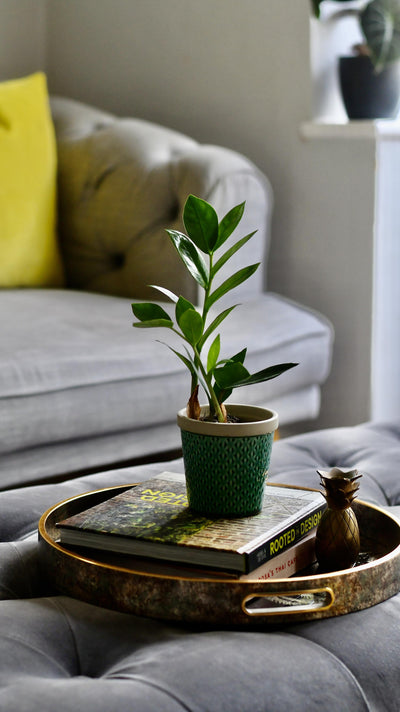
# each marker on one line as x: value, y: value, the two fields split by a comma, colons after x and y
x: 326, y: 259
x: 22, y: 37
x: 238, y: 73
x: 213, y: 68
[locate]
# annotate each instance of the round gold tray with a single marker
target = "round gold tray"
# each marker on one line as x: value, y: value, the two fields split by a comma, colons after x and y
x: 112, y: 582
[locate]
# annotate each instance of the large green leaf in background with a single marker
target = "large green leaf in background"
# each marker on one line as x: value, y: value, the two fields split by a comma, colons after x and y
x: 380, y: 22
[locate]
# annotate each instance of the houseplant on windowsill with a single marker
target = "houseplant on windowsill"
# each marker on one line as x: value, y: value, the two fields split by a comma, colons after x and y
x: 370, y: 79
x: 226, y: 449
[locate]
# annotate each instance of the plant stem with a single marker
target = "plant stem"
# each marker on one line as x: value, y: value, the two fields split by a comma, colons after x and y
x: 211, y: 393
x: 207, y: 290
x: 212, y: 398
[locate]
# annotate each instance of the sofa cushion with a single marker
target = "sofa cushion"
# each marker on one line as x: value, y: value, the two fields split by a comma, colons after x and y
x: 73, y: 368
x: 122, y: 181
x: 29, y: 253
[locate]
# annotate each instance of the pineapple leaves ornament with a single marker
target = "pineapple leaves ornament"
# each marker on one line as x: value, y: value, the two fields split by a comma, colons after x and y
x: 337, y: 542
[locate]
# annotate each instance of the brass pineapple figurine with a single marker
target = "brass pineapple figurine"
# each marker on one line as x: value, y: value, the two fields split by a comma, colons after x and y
x: 337, y: 542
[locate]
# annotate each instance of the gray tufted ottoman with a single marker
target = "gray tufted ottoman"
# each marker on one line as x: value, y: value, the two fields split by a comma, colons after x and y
x: 60, y: 654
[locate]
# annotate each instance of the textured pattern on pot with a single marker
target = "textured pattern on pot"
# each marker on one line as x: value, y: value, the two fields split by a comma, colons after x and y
x: 226, y: 464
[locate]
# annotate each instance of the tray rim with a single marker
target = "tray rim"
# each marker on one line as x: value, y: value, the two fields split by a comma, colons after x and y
x: 48, y: 539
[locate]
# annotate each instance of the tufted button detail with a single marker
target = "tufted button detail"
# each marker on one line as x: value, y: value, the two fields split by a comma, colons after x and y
x: 100, y: 125
x: 118, y: 260
x: 174, y: 212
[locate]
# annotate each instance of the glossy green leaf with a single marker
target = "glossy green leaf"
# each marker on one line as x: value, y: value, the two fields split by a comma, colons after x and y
x: 228, y: 254
x: 190, y: 256
x: 167, y: 292
x: 153, y: 324
x: 231, y: 283
x: 150, y: 315
x: 186, y: 360
x: 230, y: 374
x: 265, y: 374
x: 229, y: 223
x: 240, y: 357
x: 201, y: 223
x: 213, y: 354
x: 191, y: 325
x: 222, y: 393
x: 215, y: 324
x: 181, y: 306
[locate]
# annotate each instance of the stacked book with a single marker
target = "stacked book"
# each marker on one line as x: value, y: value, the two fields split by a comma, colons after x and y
x: 152, y: 524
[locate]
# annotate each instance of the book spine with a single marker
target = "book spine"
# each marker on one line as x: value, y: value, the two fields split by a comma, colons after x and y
x: 287, y: 563
x: 284, y: 540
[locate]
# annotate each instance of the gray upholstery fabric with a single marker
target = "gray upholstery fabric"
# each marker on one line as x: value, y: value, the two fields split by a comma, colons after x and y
x: 73, y: 367
x: 60, y: 653
x: 73, y: 656
x: 372, y: 448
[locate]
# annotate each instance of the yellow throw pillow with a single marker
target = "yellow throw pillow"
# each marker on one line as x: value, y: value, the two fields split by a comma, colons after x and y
x: 29, y: 255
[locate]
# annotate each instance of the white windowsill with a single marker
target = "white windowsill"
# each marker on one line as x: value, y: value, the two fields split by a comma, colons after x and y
x: 384, y: 129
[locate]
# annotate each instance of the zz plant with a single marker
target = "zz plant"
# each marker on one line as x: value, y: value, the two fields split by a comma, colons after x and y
x: 218, y: 376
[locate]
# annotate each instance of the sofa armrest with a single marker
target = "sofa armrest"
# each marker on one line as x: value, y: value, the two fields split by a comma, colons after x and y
x: 121, y: 182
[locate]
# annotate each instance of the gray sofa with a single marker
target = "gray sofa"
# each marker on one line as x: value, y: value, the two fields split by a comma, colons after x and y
x: 57, y: 653
x: 79, y: 387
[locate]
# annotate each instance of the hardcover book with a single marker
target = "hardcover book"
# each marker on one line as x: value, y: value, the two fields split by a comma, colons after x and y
x: 153, y: 520
x: 299, y: 557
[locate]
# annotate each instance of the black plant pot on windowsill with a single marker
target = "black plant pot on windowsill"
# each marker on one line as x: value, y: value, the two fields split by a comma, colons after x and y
x: 368, y: 93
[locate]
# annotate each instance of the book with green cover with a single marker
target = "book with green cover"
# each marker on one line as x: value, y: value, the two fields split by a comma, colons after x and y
x: 153, y: 520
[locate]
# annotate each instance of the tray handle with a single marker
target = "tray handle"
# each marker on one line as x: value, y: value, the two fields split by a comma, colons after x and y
x: 278, y: 602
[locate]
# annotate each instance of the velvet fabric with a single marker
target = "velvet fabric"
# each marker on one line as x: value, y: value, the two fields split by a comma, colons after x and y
x: 65, y: 655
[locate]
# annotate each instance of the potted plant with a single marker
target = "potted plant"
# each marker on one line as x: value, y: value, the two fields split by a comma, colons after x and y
x: 226, y: 449
x: 370, y: 79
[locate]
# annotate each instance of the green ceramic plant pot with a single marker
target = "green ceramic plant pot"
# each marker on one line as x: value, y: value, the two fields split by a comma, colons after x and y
x: 226, y: 464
